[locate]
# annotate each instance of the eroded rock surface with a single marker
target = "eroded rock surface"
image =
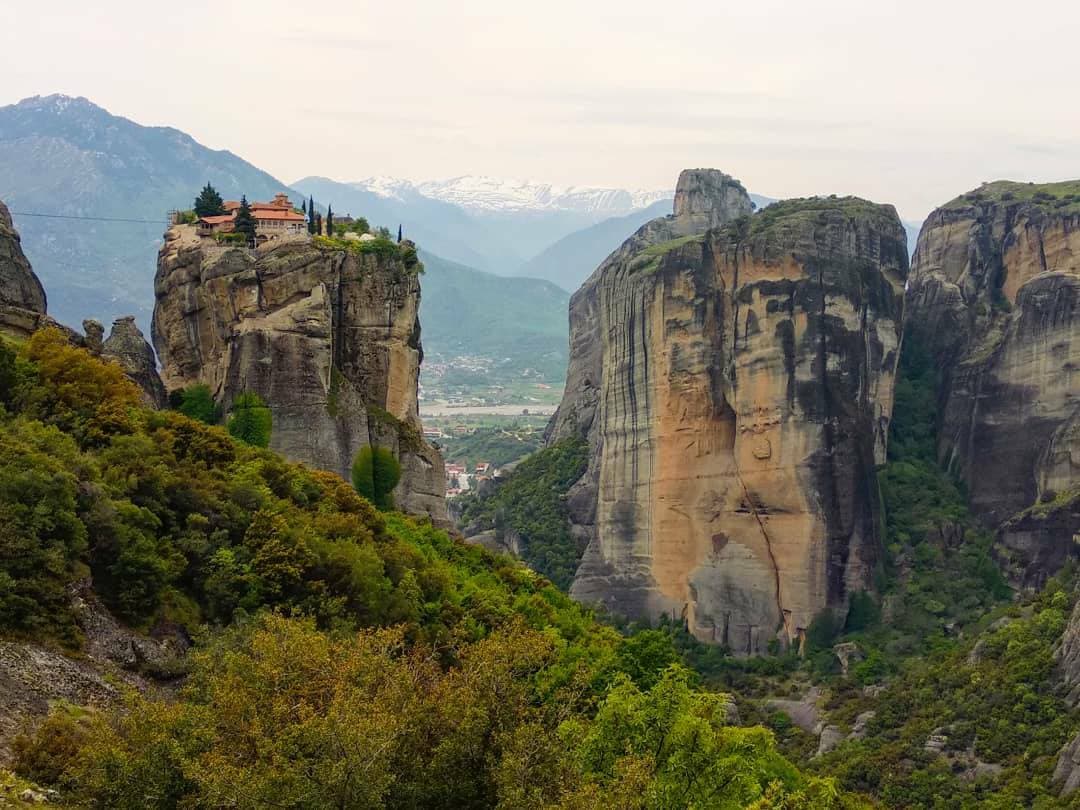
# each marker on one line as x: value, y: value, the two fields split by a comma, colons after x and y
x: 22, y: 298
x: 733, y: 376
x: 995, y: 299
x: 127, y: 346
x: 329, y: 338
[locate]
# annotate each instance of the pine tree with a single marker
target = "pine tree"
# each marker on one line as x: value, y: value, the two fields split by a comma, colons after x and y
x: 244, y: 222
x: 311, y: 215
x: 209, y: 203
x: 329, y: 220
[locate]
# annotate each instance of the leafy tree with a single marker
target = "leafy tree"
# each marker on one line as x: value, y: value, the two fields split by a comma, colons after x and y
x: 196, y: 402
x: 375, y: 473
x: 209, y: 203
x: 244, y: 222
x: 251, y: 420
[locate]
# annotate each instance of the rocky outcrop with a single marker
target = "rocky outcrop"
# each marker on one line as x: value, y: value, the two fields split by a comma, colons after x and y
x: 733, y: 376
x: 995, y: 299
x: 22, y: 298
x: 127, y: 346
x: 328, y: 337
x: 34, y: 678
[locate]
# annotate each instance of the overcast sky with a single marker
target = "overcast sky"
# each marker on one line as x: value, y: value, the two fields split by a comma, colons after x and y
x: 909, y: 103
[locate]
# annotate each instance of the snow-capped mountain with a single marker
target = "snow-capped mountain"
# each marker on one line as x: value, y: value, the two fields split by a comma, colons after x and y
x: 495, y: 195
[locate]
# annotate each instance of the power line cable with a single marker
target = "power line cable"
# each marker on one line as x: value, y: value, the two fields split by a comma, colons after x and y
x: 93, y: 219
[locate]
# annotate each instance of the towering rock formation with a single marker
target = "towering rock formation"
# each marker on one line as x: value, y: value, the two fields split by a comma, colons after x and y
x: 127, y: 346
x: 733, y: 376
x: 329, y: 338
x: 22, y: 298
x: 995, y: 298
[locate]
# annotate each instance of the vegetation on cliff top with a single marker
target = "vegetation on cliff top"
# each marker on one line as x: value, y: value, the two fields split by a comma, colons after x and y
x: 382, y: 246
x: 1062, y: 197
x: 361, y: 660
x: 812, y: 209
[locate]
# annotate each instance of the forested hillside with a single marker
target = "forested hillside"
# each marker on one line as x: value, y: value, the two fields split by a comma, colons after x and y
x: 343, y: 657
x: 942, y: 689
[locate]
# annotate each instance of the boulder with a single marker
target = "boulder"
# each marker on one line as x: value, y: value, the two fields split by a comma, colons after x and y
x: 127, y: 346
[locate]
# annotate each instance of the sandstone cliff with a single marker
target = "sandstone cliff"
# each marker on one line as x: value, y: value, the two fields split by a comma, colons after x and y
x: 328, y: 337
x: 733, y: 376
x: 995, y: 298
x: 22, y: 298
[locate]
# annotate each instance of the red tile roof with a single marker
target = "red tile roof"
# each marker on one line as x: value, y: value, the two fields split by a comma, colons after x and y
x: 277, y: 213
x: 217, y: 220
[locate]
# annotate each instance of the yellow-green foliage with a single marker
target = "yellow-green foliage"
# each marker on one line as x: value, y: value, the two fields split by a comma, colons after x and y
x: 360, y: 660
x: 279, y: 714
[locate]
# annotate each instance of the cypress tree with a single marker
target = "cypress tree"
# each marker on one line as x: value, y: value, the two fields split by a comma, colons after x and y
x: 375, y: 473
x: 209, y: 203
x: 245, y: 222
x: 318, y: 223
x: 399, y: 233
x: 303, y: 207
x: 311, y: 215
x: 329, y: 220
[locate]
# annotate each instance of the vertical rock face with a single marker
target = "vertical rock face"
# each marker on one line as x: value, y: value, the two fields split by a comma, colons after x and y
x: 735, y: 386
x: 995, y: 298
x: 22, y: 298
x: 329, y: 338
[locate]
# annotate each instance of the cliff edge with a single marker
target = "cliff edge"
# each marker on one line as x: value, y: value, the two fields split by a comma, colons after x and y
x: 995, y: 299
x: 327, y: 335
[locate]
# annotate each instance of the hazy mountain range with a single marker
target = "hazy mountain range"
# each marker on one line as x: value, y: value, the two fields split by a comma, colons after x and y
x: 486, y: 223
x: 90, y: 193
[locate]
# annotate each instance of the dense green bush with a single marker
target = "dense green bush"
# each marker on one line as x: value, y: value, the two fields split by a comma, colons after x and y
x: 196, y: 402
x: 251, y: 420
x: 372, y: 661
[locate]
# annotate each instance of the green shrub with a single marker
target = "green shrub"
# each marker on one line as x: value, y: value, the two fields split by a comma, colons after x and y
x: 50, y: 754
x: 231, y: 238
x: 250, y: 420
x: 196, y: 402
x: 375, y: 473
